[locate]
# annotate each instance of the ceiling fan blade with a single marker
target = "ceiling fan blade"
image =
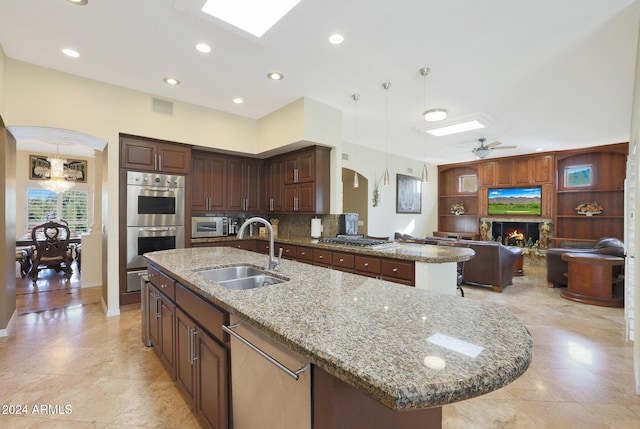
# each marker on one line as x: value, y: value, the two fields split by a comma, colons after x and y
x: 493, y: 144
x: 503, y: 147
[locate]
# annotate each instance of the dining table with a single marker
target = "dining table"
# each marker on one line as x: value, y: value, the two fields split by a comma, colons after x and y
x: 26, y: 240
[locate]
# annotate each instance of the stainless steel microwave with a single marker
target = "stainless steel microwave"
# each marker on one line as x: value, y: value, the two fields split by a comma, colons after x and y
x: 209, y: 226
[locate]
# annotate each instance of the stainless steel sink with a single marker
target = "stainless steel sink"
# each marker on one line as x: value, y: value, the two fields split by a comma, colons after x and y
x: 230, y: 273
x: 251, y: 282
x: 241, y: 277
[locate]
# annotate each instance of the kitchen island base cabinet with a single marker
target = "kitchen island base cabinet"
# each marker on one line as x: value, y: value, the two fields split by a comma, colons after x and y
x: 161, y: 328
x: 336, y: 405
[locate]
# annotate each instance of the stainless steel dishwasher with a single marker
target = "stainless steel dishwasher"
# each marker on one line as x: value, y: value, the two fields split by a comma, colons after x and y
x: 270, y: 385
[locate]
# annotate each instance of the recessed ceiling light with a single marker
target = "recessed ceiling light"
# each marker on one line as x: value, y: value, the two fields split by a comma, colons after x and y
x: 70, y: 53
x: 456, y: 128
x: 253, y: 16
x: 336, y: 39
x: 203, y: 47
x: 238, y: 100
x: 79, y: 2
x: 434, y: 115
x: 171, y: 81
x: 275, y: 76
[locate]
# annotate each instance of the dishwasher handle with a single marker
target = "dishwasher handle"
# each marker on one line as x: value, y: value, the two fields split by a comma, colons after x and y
x: 293, y: 374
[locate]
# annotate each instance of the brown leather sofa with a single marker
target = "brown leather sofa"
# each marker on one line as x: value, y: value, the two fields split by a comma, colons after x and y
x: 492, y: 265
x: 557, y: 268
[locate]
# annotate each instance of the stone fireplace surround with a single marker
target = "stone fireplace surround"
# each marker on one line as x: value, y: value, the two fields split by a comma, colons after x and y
x: 530, y: 227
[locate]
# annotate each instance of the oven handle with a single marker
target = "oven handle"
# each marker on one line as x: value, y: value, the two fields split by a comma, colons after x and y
x: 158, y: 229
x: 154, y: 189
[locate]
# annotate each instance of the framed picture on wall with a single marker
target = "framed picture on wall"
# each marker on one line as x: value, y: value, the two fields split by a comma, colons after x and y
x: 408, y: 194
x: 40, y: 167
x: 578, y: 175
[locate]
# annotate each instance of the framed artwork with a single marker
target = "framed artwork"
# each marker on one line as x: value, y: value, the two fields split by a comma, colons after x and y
x: 578, y: 175
x: 408, y: 194
x: 468, y: 183
x: 74, y: 170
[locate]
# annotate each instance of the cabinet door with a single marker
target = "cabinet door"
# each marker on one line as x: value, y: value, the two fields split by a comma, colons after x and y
x: 291, y: 198
x: 212, y: 382
x: 543, y: 169
x: 218, y: 184
x: 166, y: 347
x: 154, y: 317
x: 290, y: 169
x: 307, y: 198
x: 185, y: 365
x: 138, y: 154
x: 522, y: 171
x: 253, y: 185
x: 274, y: 185
x: 502, y: 173
x: 486, y: 173
x: 173, y: 158
x: 235, y: 197
x: 199, y: 183
x: 307, y: 166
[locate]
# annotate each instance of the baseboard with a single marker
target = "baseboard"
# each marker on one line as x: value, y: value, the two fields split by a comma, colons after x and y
x: 5, y: 332
x: 107, y: 312
x: 93, y: 284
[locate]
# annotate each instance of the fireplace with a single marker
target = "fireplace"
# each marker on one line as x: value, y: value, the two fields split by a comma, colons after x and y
x: 516, y: 233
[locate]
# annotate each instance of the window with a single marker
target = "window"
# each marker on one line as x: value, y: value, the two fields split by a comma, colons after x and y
x: 72, y: 206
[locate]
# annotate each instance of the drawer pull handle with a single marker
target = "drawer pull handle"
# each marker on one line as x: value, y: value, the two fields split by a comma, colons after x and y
x: 366, y: 264
x: 163, y: 286
x: 395, y: 270
x: 321, y: 256
x: 341, y: 259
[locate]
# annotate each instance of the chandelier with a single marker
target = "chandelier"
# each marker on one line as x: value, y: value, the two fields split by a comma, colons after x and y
x: 57, y: 182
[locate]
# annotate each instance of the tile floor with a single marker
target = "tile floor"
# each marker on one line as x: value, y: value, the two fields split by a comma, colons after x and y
x: 92, y: 372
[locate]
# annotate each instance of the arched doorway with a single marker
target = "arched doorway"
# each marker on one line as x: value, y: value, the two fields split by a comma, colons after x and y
x: 354, y: 200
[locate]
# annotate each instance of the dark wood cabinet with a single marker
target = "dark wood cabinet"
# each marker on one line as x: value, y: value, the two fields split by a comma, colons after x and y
x: 244, y: 185
x: 202, y: 372
x: 300, y: 182
x: 608, y: 172
x: 151, y: 155
x: 455, y: 189
x: 494, y: 173
x: 533, y: 170
x: 162, y: 327
x: 208, y: 183
x: 274, y: 184
x: 398, y: 271
x: 322, y: 258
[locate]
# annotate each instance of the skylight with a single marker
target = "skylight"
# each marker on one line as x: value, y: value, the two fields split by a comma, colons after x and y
x: 456, y: 128
x: 253, y: 16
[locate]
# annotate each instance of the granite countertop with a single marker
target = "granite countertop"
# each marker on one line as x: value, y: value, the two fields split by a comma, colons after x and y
x: 406, y: 251
x: 372, y: 334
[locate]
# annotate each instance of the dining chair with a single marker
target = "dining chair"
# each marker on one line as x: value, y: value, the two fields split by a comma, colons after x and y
x: 51, y: 248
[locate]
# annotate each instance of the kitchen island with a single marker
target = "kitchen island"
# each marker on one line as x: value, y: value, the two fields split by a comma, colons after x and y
x: 410, y: 350
x: 433, y: 267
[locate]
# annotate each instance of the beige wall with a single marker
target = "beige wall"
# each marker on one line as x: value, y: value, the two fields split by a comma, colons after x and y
x: 45, y: 97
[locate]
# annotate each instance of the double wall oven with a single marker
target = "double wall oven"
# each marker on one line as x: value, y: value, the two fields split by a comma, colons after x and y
x: 155, y: 219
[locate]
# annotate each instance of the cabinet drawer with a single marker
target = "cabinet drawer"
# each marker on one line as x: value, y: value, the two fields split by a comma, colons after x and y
x: 367, y: 264
x: 322, y: 257
x: 288, y: 251
x: 397, y: 269
x: 343, y: 260
x: 208, y: 316
x: 163, y: 282
x: 304, y: 253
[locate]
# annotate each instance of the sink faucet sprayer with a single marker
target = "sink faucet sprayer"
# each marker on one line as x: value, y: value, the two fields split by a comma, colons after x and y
x: 273, y: 261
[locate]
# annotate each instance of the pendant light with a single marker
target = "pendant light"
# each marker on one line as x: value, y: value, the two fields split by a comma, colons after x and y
x: 425, y: 175
x: 57, y: 182
x: 385, y: 177
x: 356, y: 183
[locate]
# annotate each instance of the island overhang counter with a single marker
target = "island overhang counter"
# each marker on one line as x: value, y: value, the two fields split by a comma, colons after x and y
x: 406, y: 348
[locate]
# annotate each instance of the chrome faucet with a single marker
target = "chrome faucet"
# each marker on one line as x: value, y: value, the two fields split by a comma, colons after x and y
x: 273, y: 261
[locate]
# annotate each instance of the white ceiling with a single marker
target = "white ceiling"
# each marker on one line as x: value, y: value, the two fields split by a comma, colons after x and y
x: 547, y: 74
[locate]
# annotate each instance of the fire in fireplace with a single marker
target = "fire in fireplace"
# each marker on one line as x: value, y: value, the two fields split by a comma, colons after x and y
x: 516, y: 233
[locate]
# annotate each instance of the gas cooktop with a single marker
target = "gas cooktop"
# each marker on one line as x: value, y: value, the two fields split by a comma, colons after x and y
x: 359, y: 241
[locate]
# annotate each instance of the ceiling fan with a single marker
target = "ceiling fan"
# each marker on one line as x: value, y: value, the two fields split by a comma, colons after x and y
x: 483, y: 150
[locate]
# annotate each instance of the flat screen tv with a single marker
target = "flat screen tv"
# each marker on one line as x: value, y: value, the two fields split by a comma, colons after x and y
x: 515, y: 201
